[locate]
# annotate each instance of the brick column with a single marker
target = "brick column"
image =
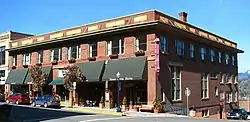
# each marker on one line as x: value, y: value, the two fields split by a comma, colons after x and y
x: 101, y: 48
x: 34, y: 58
x: 10, y: 61
x: 64, y: 54
x: 19, y: 60
x: 84, y: 51
x: 46, y: 56
x: 129, y: 44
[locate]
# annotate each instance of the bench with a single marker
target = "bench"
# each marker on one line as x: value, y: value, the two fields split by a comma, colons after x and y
x: 146, y: 108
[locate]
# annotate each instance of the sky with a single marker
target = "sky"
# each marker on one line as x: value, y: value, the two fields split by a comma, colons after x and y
x: 227, y: 18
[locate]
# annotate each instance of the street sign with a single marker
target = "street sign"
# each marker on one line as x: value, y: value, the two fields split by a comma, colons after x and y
x: 187, y: 92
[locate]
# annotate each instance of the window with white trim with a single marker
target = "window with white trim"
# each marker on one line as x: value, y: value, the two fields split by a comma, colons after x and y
x: 40, y: 56
x: 212, y: 55
x: 219, y: 57
x: 205, y: 113
x: 229, y: 97
x: 27, y: 59
x: 204, y: 85
x: 233, y: 61
x: 141, y: 42
x: 179, y: 47
x: 226, y: 58
x: 214, y: 74
x: 216, y: 91
x: 163, y: 44
x: 116, y: 46
x: 14, y: 60
x: 176, y: 83
x: 228, y: 78
x: 2, y: 55
x: 222, y: 96
x: 74, y: 52
x: 191, y: 50
x: 93, y: 49
x: 109, y: 48
x: 236, y: 97
x: 56, y: 54
x: 203, y: 53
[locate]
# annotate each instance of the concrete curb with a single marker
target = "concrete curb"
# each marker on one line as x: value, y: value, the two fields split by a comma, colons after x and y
x: 95, y: 111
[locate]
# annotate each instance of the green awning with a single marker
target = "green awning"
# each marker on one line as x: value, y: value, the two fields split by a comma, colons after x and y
x: 58, y: 81
x: 92, y: 70
x: 129, y: 69
x: 17, y: 76
x: 46, y: 70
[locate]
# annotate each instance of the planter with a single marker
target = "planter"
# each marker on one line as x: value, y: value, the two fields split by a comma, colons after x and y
x: 113, y: 56
x: 131, y: 107
x: 25, y: 66
x: 92, y: 58
x: 39, y: 64
x: 72, y: 60
x: 140, y: 53
x: 123, y: 107
x: 54, y: 62
x: 156, y: 110
x: 13, y: 67
x: 101, y: 105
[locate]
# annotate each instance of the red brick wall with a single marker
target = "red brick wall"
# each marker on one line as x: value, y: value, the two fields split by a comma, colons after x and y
x: 19, y: 60
x: 84, y: 51
x: 101, y: 48
x: 34, y: 58
x: 46, y: 56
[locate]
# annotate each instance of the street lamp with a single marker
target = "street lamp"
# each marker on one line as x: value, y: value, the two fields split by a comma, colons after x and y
x: 118, y: 109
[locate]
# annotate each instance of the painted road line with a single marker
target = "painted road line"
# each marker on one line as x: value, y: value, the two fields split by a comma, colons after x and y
x: 105, y: 119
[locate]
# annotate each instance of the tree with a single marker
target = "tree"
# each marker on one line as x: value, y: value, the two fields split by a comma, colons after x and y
x: 244, y: 88
x: 37, y: 78
x: 72, y: 74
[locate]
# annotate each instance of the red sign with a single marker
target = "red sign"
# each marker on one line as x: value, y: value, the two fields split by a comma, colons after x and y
x: 157, y: 55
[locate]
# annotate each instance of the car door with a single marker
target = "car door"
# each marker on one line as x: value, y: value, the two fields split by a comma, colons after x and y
x: 10, y: 98
x: 244, y: 113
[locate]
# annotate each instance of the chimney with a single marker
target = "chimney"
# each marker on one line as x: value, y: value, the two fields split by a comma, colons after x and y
x: 183, y: 16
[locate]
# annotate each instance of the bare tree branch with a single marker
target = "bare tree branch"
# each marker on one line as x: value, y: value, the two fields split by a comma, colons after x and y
x: 37, y: 78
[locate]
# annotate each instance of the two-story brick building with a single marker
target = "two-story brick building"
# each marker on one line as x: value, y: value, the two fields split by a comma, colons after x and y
x: 155, y: 54
x: 5, y: 39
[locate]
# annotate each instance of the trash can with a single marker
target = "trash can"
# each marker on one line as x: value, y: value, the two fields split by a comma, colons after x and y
x: 5, y: 111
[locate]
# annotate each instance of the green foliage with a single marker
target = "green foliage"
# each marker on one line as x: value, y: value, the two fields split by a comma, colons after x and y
x: 37, y: 78
x: 124, y: 102
x: 131, y: 103
x: 157, y: 103
x: 72, y: 74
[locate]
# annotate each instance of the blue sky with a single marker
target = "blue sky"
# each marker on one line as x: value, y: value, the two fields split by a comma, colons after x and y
x: 228, y: 18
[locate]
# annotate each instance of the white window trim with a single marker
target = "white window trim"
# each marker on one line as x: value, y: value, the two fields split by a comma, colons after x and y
x: 216, y: 91
x: 137, y: 44
x: 109, y: 48
x: 202, y: 80
x: 59, y: 55
x: 236, y: 97
x: 14, y: 61
x: 26, y: 59
x: 78, y: 53
x: 219, y: 57
x: 223, y: 96
x: 207, y: 113
x: 163, y: 41
x: 120, y: 46
x: 175, y: 78
x: 39, y: 57
x: 222, y: 78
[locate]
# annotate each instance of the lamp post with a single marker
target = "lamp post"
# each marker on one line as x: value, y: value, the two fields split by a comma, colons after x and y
x: 118, y: 109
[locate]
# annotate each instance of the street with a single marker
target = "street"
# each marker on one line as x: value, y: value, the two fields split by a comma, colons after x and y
x: 24, y: 113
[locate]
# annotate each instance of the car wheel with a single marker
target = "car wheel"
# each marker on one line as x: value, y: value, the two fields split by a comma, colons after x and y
x: 7, y: 101
x: 45, y: 105
x: 33, y: 104
x: 17, y: 102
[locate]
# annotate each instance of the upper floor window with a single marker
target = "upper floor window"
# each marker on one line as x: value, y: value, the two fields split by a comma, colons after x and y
x: 228, y: 77
x: 191, y: 50
x: 214, y: 74
x: 219, y: 57
x: 141, y: 43
x: 236, y: 96
x: 2, y: 55
x: 226, y: 58
x: 14, y: 61
x: 74, y: 52
x: 40, y: 56
x: 229, y: 97
x: 204, y: 85
x: 202, y: 53
x: 93, y: 49
x: 176, y: 83
x: 26, y: 59
x: 222, y: 96
x: 56, y: 54
x: 212, y: 55
x: 115, y: 47
x: 205, y: 113
x: 216, y: 90
x: 179, y: 47
x: 163, y: 44
x: 233, y: 61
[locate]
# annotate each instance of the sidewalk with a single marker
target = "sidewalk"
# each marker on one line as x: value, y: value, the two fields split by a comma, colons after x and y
x: 97, y: 110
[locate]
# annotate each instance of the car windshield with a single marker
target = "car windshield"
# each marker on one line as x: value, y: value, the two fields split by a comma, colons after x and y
x: 236, y: 110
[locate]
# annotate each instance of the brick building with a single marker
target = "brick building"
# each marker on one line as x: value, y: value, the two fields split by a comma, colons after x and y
x: 156, y: 55
x: 5, y: 39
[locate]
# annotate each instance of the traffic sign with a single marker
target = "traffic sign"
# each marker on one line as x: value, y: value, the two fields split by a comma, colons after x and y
x: 187, y: 92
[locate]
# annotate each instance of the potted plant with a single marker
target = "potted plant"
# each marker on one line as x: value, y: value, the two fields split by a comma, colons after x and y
x: 25, y: 66
x: 72, y: 60
x: 92, y: 58
x: 101, y: 104
x: 13, y: 67
x: 39, y: 64
x: 130, y: 105
x: 113, y: 56
x: 140, y: 53
x: 124, y: 103
x: 157, y: 105
x: 54, y: 62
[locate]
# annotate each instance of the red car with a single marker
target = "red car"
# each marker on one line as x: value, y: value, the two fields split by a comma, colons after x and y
x: 18, y: 98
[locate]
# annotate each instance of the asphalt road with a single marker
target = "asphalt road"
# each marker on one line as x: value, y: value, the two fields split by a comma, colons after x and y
x: 22, y: 113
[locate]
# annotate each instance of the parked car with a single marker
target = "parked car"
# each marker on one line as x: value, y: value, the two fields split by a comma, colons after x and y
x: 248, y: 115
x: 18, y: 98
x: 240, y: 114
x: 1, y: 97
x: 46, y: 101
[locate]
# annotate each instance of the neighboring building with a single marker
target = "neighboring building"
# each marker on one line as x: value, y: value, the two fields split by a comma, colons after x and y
x: 5, y: 39
x: 156, y: 55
